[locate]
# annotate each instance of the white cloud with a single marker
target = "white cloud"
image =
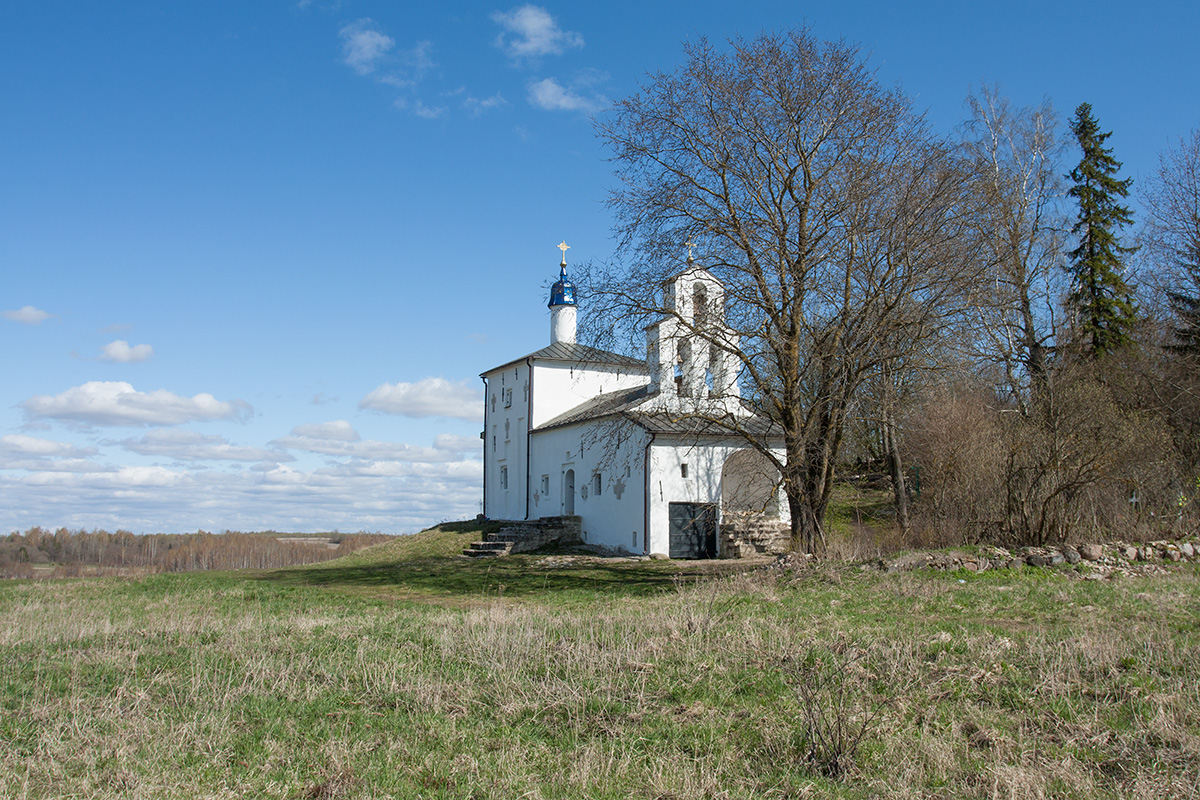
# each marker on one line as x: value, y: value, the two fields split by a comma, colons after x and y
x: 530, y: 31
x: 18, y: 452
x: 364, y: 47
x: 457, y: 444
x: 118, y: 403
x: 550, y: 95
x: 369, y: 449
x: 33, y: 446
x: 339, y: 430
x: 419, y: 108
x: 192, y: 446
x: 385, y: 496
x: 429, y: 397
x: 477, y: 106
x: 27, y: 315
x: 120, y: 352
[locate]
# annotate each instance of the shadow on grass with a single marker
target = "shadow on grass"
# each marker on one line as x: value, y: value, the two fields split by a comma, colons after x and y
x: 514, y: 576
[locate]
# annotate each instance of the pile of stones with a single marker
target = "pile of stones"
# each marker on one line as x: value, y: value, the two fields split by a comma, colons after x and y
x: 1100, y: 561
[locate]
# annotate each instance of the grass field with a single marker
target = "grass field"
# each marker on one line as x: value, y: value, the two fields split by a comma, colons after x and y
x: 404, y: 671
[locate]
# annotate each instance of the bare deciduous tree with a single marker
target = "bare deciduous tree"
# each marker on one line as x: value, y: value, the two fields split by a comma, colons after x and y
x: 1172, y: 201
x: 1019, y: 235
x: 1171, y: 198
x: 821, y: 200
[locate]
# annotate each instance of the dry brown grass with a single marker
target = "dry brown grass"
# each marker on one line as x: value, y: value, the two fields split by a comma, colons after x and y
x: 1002, y: 686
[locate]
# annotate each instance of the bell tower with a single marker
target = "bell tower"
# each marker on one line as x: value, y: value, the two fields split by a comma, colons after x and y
x: 562, y: 304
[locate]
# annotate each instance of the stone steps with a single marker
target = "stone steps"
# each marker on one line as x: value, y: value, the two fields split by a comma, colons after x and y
x: 523, y: 537
x: 488, y: 549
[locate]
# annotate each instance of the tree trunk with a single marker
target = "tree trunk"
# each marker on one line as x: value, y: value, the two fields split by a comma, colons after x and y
x: 808, y: 529
x: 896, y: 468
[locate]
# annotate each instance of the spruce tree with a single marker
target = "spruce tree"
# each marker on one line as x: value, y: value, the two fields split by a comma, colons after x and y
x: 1101, y: 300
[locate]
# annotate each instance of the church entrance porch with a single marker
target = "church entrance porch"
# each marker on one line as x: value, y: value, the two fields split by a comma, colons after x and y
x: 693, y: 530
x: 752, y: 508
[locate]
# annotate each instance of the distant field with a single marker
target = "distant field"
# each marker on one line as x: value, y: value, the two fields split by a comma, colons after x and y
x: 405, y: 671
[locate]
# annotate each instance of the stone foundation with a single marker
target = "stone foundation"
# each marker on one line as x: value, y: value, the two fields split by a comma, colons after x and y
x: 535, y: 534
x: 740, y: 538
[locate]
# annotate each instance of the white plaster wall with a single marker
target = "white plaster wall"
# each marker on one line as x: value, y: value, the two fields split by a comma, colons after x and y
x: 504, y: 446
x: 614, y: 518
x: 558, y: 387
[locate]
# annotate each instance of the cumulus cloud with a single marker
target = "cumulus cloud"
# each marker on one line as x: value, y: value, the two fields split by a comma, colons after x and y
x: 457, y: 444
x: 363, y: 46
x: 18, y: 452
x: 27, y: 315
x: 339, y: 430
x: 429, y: 397
x: 192, y: 446
x: 339, y: 438
x: 530, y: 31
x: 16, y: 443
x: 551, y: 95
x: 121, y: 353
x: 117, y: 403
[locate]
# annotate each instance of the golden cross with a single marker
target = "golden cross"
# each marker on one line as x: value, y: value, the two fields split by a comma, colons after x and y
x: 564, y: 247
x: 690, y: 244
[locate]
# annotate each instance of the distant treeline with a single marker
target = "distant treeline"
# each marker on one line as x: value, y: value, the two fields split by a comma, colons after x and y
x: 39, y: 552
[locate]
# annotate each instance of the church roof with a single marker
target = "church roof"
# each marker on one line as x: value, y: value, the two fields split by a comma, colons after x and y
x: 628, y: 403
x: 573, y: 353
x: 602, y: 405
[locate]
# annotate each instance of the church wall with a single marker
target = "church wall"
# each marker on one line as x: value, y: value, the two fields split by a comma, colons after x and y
x: 506, y: 426
x: 560, y: 386
x: 613, y: 449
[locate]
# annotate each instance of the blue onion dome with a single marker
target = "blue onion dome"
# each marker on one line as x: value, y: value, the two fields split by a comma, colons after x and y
x: 562, y: 293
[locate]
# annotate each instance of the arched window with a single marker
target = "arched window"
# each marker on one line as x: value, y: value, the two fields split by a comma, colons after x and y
x: 700, y: 305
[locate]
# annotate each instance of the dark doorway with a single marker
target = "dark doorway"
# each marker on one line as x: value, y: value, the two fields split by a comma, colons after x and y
x: 693, y: 530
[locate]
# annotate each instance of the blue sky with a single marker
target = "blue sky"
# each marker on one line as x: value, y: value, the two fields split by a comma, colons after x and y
x: 253, y: 256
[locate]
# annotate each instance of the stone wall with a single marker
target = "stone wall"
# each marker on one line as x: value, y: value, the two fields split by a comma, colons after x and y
x: 750, y: 536
x: 535, y: 534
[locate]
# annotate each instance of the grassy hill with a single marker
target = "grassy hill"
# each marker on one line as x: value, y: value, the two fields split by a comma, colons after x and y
x: 405, y: 671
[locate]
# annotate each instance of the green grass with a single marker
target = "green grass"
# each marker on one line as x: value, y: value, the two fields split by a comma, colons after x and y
x: 405, y: 671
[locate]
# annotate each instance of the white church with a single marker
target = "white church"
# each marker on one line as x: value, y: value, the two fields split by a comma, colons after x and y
x: 629, y: 447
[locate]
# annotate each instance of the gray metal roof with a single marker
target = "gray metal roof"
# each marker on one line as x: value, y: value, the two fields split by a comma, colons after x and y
x: 570, y: 352
x: 627, y: 403
x: 602, y: 405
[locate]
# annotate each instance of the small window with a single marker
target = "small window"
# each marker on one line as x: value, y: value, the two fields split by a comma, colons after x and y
x: 504, y: 477
x: 508, y: 398
x: 506, y: 426
x: 546, y: 484
x: 683, y: 470
x: 596, y: 484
